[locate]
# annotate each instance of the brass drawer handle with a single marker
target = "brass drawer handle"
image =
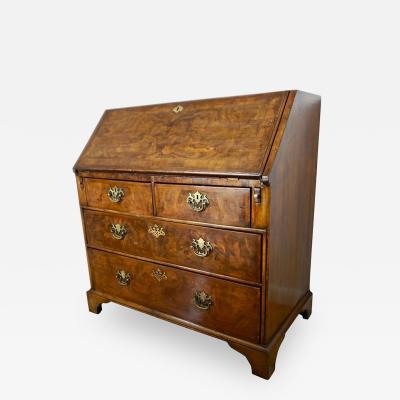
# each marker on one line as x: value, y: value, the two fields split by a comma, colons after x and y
x: 123, y: 277
x: 197, y: 201
x: 201, y: 248
x: 156, y: 231
x: 115, y: 194
x: 118, y: 231
x: 158, y: 274
x: 203, y: 300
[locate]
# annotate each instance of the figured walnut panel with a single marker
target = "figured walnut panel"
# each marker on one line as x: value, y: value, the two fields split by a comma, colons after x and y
x: 235, y: 308
x: 137, y: 198
x: 235, y: 254
x: 227, y: 206
x: 227, y: 136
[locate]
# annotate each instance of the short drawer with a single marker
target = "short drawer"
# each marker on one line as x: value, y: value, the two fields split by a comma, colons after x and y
x: 216, y: 205
x: 227, y: 307
x: 131, y: 197
x: 220, y: 251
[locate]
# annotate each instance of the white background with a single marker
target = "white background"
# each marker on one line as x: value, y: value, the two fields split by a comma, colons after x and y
x: 63, y: 63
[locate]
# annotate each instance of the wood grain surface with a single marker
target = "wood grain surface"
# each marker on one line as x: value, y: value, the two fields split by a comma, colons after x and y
x: 292, y: 186
x: 235, y: 309
x: 228, y: 136
x: 137, y: 197
x: 235, y: 254
x: 227, y: 206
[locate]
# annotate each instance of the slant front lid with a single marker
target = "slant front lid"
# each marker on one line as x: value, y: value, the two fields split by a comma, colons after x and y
x: 226, y: 137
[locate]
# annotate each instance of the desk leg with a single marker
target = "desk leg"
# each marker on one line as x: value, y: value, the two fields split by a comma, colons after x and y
x: 95, y: 301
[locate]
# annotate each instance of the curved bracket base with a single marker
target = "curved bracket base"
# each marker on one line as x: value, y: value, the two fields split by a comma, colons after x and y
x: 95, y: 301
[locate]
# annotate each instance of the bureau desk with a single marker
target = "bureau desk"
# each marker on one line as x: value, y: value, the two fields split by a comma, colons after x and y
x: 201, y: 213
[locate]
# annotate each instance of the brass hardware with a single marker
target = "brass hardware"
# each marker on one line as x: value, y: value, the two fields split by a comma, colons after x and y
x: 197, y: 201
x: 156, y: 231
x: 118, y: 231
x: 177, y: 109
x: 200, y: 247
x: 203, y: 300
x: 257, y: 195
x: 123, y: 277
x: 158, y: 274
x: 115, y: 194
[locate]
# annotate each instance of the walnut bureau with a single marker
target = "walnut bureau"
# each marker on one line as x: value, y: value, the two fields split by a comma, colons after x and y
x: 201, y: 213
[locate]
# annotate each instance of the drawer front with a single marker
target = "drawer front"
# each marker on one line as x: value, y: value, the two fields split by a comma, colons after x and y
x: 220, y: 251
x: 223, y: 306
x: 132, y: 197
x: 216, y: 205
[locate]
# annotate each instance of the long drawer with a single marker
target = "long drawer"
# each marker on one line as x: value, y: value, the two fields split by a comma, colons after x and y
x: 220, y: 251
x: 227, y: 307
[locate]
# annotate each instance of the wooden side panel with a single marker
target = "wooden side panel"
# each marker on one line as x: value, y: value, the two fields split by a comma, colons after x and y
x: 235, y: 254
x: 292, y: 189
x: 235, y: 308
x: 137, y: 198
x: 227, y: 206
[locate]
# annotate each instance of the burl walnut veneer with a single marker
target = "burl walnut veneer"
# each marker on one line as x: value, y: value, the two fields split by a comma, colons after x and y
x: 201, y: 213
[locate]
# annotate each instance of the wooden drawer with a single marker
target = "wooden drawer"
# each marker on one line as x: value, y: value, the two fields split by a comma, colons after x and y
x: 216, y: 205
x: 132, y: 197
x: 235, y: 308
x: 225, y: 252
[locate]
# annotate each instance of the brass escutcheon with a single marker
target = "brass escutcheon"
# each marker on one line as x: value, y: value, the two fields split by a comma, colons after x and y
x: 201, y: 248
x: 197, y: 201
x: 158, y: 274
x: 115, y: 194
x: 203, y: 300
x: 156, y: 231
x: 118, y: 231
x: 123, y: 277
x: 177, y: 109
